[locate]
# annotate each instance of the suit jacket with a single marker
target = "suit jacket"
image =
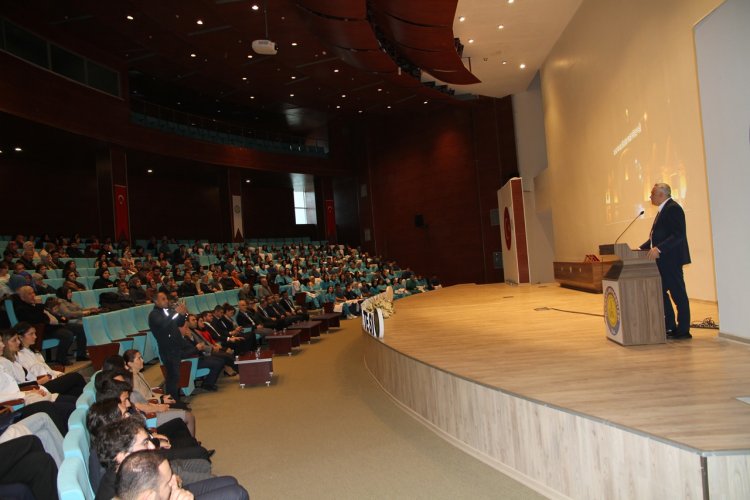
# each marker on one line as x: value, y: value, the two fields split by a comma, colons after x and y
x: 165, y: 325
x: 246, y: 320
x: 669, y: 235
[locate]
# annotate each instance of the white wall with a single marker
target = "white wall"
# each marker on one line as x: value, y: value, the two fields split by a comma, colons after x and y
x: 621, y: 112
x: 531, y: 150
x: 722, y: 42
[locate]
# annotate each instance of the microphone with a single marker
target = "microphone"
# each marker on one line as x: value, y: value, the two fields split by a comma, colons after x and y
x: 631, y: 223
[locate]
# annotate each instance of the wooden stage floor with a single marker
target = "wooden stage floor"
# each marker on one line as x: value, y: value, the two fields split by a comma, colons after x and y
x: 499, y: 336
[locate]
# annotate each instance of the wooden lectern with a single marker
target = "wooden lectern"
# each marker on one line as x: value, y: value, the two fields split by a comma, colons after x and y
x: 633, y: 303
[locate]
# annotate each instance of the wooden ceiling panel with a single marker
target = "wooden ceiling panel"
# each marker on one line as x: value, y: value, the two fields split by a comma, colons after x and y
x: 424, y: 12
x: 346, y: 9
x: 356, y: 34
x: 446, y: 66
x: 375, y: 61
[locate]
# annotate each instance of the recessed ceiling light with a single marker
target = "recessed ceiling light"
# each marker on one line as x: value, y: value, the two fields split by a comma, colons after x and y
x: 522, y: 66
x: 505, y: 62
x: 255, y: 7
x: 471, y: 40
x: 343, y: 95
x: 199, y: 21
x: 360, y: 111
x: 338, y: 106
x: 380, y: 90
x: 247, y: 181
x: 294, y: 78
x: 252, y: 97
x: 150, y: 171
x: 244, y: 78
x: 129, y: 18
x: 336, y: 70
x: 192, y: 55
x: 294, y: 44
x: 500, y: 26
x: 291, y: 95
x: 17, y: 149
x: 511, y: 1
x: 389, y: 106
x: 425, y: 102
x: 249, y: 56
x: 462, y: 19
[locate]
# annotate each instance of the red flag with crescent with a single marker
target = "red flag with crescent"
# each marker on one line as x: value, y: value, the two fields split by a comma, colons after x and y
x: 122, y: 219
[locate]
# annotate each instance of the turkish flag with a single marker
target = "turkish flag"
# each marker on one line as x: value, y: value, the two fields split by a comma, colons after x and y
x: 330, y: 220
x: 122, y: 218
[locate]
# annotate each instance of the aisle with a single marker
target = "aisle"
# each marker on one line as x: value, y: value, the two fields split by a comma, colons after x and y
x: 324, y: 429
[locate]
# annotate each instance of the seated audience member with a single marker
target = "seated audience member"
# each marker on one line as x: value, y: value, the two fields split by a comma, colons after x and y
x: 38, y: 371
x: 187, y: 288
x: 213, y: 363
x: 36, y: 399
x: 206, y: 286
x: 70, y: 266
x: 226, y: 282
x: 147, y: 475
x: 246, y: 316
x: 27, y: 309
x: 24, y: 460
x: 72, y: 283
x: 263, y: 290
x: 268, y: 315
x: 219, y: 333
x: 161, y: 404
x: 41, y: 426
x: 69, y: 309
x: 137, y: 293
x: 5, y: 290
x: 170, y: 289
x: 103, y: 280
x: 207, y: 348
x: 291, y: 308
x: 246, y: 292
x: 40, y: 287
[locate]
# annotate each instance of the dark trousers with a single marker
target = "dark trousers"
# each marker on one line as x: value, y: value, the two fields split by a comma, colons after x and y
x: 673, y: 281
x: 70, y: 384
x: 215, y: 365
x: 66, y: 334
x: 219, y: 488
x: 171, y: 364
x: 23, y: 460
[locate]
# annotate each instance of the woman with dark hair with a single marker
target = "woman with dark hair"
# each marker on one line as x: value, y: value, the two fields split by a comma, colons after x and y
x: 103, y: 281
x: 36, y: 399
x: 72, y: 283
x: 145, y: 400
x: 72, y: 311
x: 40, y: 372
x: 70, y: 266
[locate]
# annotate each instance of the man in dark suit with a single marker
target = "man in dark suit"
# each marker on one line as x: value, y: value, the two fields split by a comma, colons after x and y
x: 165, y: 324
x: 668, y: 245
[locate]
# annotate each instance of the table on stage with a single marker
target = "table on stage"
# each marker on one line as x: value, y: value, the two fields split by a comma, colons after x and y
x: 328, y: 320
x: 308, y: 329
x: 284, y: 341
x: 255, y: 368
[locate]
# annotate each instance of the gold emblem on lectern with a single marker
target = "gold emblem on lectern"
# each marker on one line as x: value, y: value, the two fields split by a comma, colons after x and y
x: 611, y: 311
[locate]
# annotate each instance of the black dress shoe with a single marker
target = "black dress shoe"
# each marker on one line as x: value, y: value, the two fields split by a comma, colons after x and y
x: 680, y: 336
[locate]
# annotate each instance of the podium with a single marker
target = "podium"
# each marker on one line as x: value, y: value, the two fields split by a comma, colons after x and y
x: 633, y: 303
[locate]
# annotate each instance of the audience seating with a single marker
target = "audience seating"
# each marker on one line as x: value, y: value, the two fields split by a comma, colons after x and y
x: 73, y: 481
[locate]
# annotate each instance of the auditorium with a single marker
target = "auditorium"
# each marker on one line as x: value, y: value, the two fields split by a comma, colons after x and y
x: 374, y: 249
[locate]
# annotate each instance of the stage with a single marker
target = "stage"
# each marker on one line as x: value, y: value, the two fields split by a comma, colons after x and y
x: 524, y: 378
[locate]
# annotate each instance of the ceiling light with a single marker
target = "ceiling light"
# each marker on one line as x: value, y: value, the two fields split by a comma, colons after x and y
x: 255, y: 7
x: 247, y: 181
x: 150, y: 171
x: 389, y: 106
x: 249, y: 56
x: 252, y: 97
x: 380, y: 90
x: 291, y: 95
x: 471, y: 40
x: 192, y: 55
x: 360, y: 111
x: 500, y: 26
x: 336, y: 70
x: 17, y: 149
x: 294, y: 78
x: 462, y: 19
x: 511, y: 1
x: 505, y: 62
x: 343, y: 95
x: 199, y: 21
x: 129, y: 18
x: 294, y: 44
x: 244, y: 78
x: 522, y: 66
x: 425, y: 102
x: 338, y: 106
